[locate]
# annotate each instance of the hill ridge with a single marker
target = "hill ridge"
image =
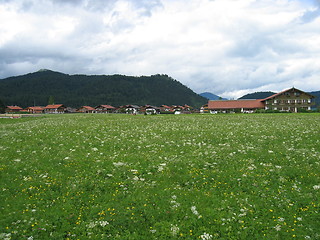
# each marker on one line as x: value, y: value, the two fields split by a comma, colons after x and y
x: 80, y: 89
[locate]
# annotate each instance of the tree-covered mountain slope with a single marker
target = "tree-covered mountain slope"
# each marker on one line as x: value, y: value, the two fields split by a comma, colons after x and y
x: 78, y: 90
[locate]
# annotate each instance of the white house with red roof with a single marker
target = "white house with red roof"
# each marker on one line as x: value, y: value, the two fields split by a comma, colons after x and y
x: 55, y: 108
x: 13, y: 109
x: 105, y: 109
x: 86, y: 109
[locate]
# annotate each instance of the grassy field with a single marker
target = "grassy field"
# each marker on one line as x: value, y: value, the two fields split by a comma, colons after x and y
x: 231, y: 176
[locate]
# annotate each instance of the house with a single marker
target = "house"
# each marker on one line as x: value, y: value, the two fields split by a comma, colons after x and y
x: 290, y: 100
x: 105, y: 109
x: 165, y: 108
x: 148, y: 109
x: 226, y: 106
x: 187, y: 108
x: 204, y: 109
x: 56, y: 108
x: 86, y: 109
x: 132, y: 109
x: 177, y: 109
x: 13, y: 109
x: 35, y: 109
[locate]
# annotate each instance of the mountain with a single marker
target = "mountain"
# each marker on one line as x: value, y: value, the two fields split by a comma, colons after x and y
x: 78, y: 90
x: 257, y: 95
x: 317, y: 98
x: 211, y: 96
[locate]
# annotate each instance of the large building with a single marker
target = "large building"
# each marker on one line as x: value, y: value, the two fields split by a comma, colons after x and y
x: 290, y: 100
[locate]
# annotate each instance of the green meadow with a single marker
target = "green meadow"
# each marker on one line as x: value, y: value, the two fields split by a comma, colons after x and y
x: 100, y: 176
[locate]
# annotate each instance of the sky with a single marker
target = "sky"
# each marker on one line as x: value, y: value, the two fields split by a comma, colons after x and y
x: 226, y: 47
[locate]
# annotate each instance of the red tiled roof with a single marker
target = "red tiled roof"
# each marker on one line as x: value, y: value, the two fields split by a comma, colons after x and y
x: 277, y: 94
x: 35, y: 108
x: 106, y: 106
x: 165, y: 106
x: 234, y: 104
x: 88, y: 108
x: 14, y: 107
x: 54, y: 106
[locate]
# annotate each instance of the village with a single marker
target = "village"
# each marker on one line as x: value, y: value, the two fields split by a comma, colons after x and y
x: 290, y: 100
x: 128, y: 109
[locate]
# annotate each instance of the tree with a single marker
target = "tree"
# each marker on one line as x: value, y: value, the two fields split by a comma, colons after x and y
x: 51, y: 100
x: 2, y: 107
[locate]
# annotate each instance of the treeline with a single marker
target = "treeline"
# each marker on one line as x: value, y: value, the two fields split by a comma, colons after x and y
x: 34, y: 89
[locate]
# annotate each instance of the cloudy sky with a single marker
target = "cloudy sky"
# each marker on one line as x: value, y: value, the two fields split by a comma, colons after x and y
x: 227, y: 47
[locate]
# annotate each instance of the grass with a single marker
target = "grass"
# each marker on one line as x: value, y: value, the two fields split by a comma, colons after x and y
x: 160, y: 177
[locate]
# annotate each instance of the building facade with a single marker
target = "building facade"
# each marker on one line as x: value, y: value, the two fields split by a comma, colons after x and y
x: 290, y: 100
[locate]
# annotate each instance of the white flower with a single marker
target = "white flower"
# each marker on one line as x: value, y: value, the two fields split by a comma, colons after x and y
x: 195, y: 212
x: 91, y: 225
x: 205, y: 236
x: 174, y: 229
x: 135, y: 178
x: 160, y: 169
x: 316, y: 187
x: 94, y: 149
x: 277, y: 227
x: 118, y: 164
x: 103, y: 223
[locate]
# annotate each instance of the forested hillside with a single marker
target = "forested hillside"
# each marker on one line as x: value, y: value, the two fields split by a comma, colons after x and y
x: 257, y: 95
x: 78, y: 90
x: 316, y: 99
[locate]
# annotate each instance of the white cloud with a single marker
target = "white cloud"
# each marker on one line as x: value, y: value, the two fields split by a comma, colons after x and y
x: 227, y: 47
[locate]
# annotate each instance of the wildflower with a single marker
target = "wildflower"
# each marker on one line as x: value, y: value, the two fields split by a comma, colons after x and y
x: 195, y: 212
x: 205, y: 236
x: 277, y: 227
x: 118, y: 164
x: 316, y: 187
x: 94, y: 149
x: 103, y: 223
x: 174, y: 229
